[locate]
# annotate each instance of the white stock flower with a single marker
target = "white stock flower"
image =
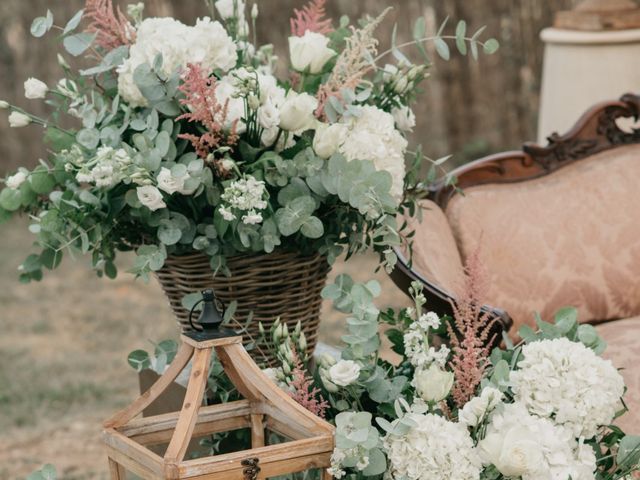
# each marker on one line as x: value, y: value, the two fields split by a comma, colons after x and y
x: 230, y: 8
x: 328, y: 138
x: 14, y: 181
x: 227, y: 214
x: 478, y: 408
x: 18, y: 120
x: 373, y: 136
x: 297, y: 112
x: 569, y: 383
x: 344, y: 373
x: 35, y: 89
x: 433, y: 449
x: 404, y: 117
x: 252, y: 218
x: 172, y: 184
x: 433, y: 384
x: 150, y: 197
x: 207, y: 43
x: 533, y: 448
x: 310, y: 52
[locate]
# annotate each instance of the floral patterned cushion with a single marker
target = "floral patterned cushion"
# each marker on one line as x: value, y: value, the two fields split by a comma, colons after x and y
x: 623, y: 339
x: 568, y: 238
x: 435, y: 253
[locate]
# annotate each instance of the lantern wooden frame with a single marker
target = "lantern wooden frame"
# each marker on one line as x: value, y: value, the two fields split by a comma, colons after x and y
x: 264, y: 406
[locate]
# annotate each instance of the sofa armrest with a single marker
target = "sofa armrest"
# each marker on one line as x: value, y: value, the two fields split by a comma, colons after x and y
x: 436, y: 264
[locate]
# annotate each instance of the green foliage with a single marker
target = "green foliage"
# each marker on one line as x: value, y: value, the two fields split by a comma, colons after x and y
x: 48, y: 472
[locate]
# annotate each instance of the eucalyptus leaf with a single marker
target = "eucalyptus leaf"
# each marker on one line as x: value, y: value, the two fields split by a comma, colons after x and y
x: 78, y: 43
x: 73, y: 23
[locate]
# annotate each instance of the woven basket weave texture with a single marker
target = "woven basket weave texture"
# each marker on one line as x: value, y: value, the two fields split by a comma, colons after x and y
x: 280, y: 284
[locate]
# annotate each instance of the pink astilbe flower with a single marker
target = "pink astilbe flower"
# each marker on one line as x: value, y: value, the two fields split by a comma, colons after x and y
x: 200, y: 98
x: 352, y: 65
x: 304, y: 392
x: 311, y: 18
x: 470, y: 343
x: 112, y: 27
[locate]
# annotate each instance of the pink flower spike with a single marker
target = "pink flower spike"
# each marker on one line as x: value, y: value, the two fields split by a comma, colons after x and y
x: 112, y: 27
x: 311, y: 18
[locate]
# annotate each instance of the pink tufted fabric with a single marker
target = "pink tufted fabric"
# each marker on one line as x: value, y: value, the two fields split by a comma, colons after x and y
x: 435, y: 253
x: 623, y: 338
x: 568, y: 238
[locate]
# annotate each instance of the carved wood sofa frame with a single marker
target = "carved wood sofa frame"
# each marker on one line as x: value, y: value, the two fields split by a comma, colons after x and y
x: 596, y: 131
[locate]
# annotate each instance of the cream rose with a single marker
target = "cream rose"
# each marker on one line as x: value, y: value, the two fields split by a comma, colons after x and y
x: 310, y: 52
x: 514, y: 453
x: 14, y: 181
x: 18, y: 120
x: 328, y: 139
x: 268, y: 115
x: 296, y: 114
x: 35, y: 89
x: 150, y: 197
x: 344, y: 373
x: 433, y: 384
x: 172, y: 184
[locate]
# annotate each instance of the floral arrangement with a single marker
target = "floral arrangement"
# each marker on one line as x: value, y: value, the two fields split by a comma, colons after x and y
x: 186, y: 139
x: 539, y: 410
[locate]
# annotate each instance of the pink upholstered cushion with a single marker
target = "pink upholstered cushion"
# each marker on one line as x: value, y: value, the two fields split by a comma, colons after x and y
x: 435, y: 253
x: 568, y: 238
x: 623, y: 338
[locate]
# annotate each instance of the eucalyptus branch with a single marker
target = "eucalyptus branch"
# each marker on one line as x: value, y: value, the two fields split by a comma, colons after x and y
x: 424, y: 40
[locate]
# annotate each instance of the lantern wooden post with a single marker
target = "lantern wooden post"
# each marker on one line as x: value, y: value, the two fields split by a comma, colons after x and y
x: 264, y: 406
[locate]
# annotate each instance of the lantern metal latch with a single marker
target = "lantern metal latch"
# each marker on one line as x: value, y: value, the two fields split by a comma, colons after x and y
x: 251, y: 468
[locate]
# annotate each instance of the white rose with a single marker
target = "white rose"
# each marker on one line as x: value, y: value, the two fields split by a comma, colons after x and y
x: 310, y: 52
x: 168, y: 183
x: 150, y: 197
x: 514, y: 453
x: 268, y: 115
x: 226, y: 8
x: 404, y: 117
x: 296, y: 114
x: 328, y: 139
x: 14, y: 181
x: 433, y: 384
x: 34, y: 89
x: 344, y: 373
x: 476, y: 409
x: 18, y: 120
x: 4, y: 105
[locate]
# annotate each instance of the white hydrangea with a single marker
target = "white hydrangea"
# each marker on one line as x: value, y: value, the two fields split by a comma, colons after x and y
x: 569, y: 383
x: 207, y: 43
x: 246, y: 195
x: 478, y: 408
x: 433, y: 449
x: 524, y: 446
x: 373, y: 136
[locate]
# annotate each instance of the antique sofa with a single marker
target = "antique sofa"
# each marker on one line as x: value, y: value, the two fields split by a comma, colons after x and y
x: 557, y: 225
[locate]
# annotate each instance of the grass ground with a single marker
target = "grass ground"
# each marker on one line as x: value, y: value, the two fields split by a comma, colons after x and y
x: 63, y: 348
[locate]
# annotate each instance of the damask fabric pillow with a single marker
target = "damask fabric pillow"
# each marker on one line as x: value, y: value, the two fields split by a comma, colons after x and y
x: 568, y: 238
x: 435, y: 253
x: 623, y: 338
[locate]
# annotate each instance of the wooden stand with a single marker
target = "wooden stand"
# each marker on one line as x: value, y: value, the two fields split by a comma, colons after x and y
x: 264, y: 406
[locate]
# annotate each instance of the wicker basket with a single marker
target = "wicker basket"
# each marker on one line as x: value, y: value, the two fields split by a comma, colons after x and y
x: 280, y: 284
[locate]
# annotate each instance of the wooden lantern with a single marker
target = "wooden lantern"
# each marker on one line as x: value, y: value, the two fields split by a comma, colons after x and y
x: 265, y: 406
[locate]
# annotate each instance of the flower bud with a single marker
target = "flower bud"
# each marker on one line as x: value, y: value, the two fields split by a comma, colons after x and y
x: 286, y: 368
x: 254, y: 102
x: 328, y: 384
x: 254, y: 11
x: 285, y: 330
x: 261, y: 329
x: 35, y: 89
x: 302, y: 343
x: 4, y: 105
x: 433, y: 384
x: 326, y: 360
x: 62, y: 62
x: 18, y: 120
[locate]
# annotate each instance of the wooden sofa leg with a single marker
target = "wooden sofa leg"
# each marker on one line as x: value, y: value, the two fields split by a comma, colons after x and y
x: 117, y: 471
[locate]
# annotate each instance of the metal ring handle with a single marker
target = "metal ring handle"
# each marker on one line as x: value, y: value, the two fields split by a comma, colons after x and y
x: 191, y: 314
